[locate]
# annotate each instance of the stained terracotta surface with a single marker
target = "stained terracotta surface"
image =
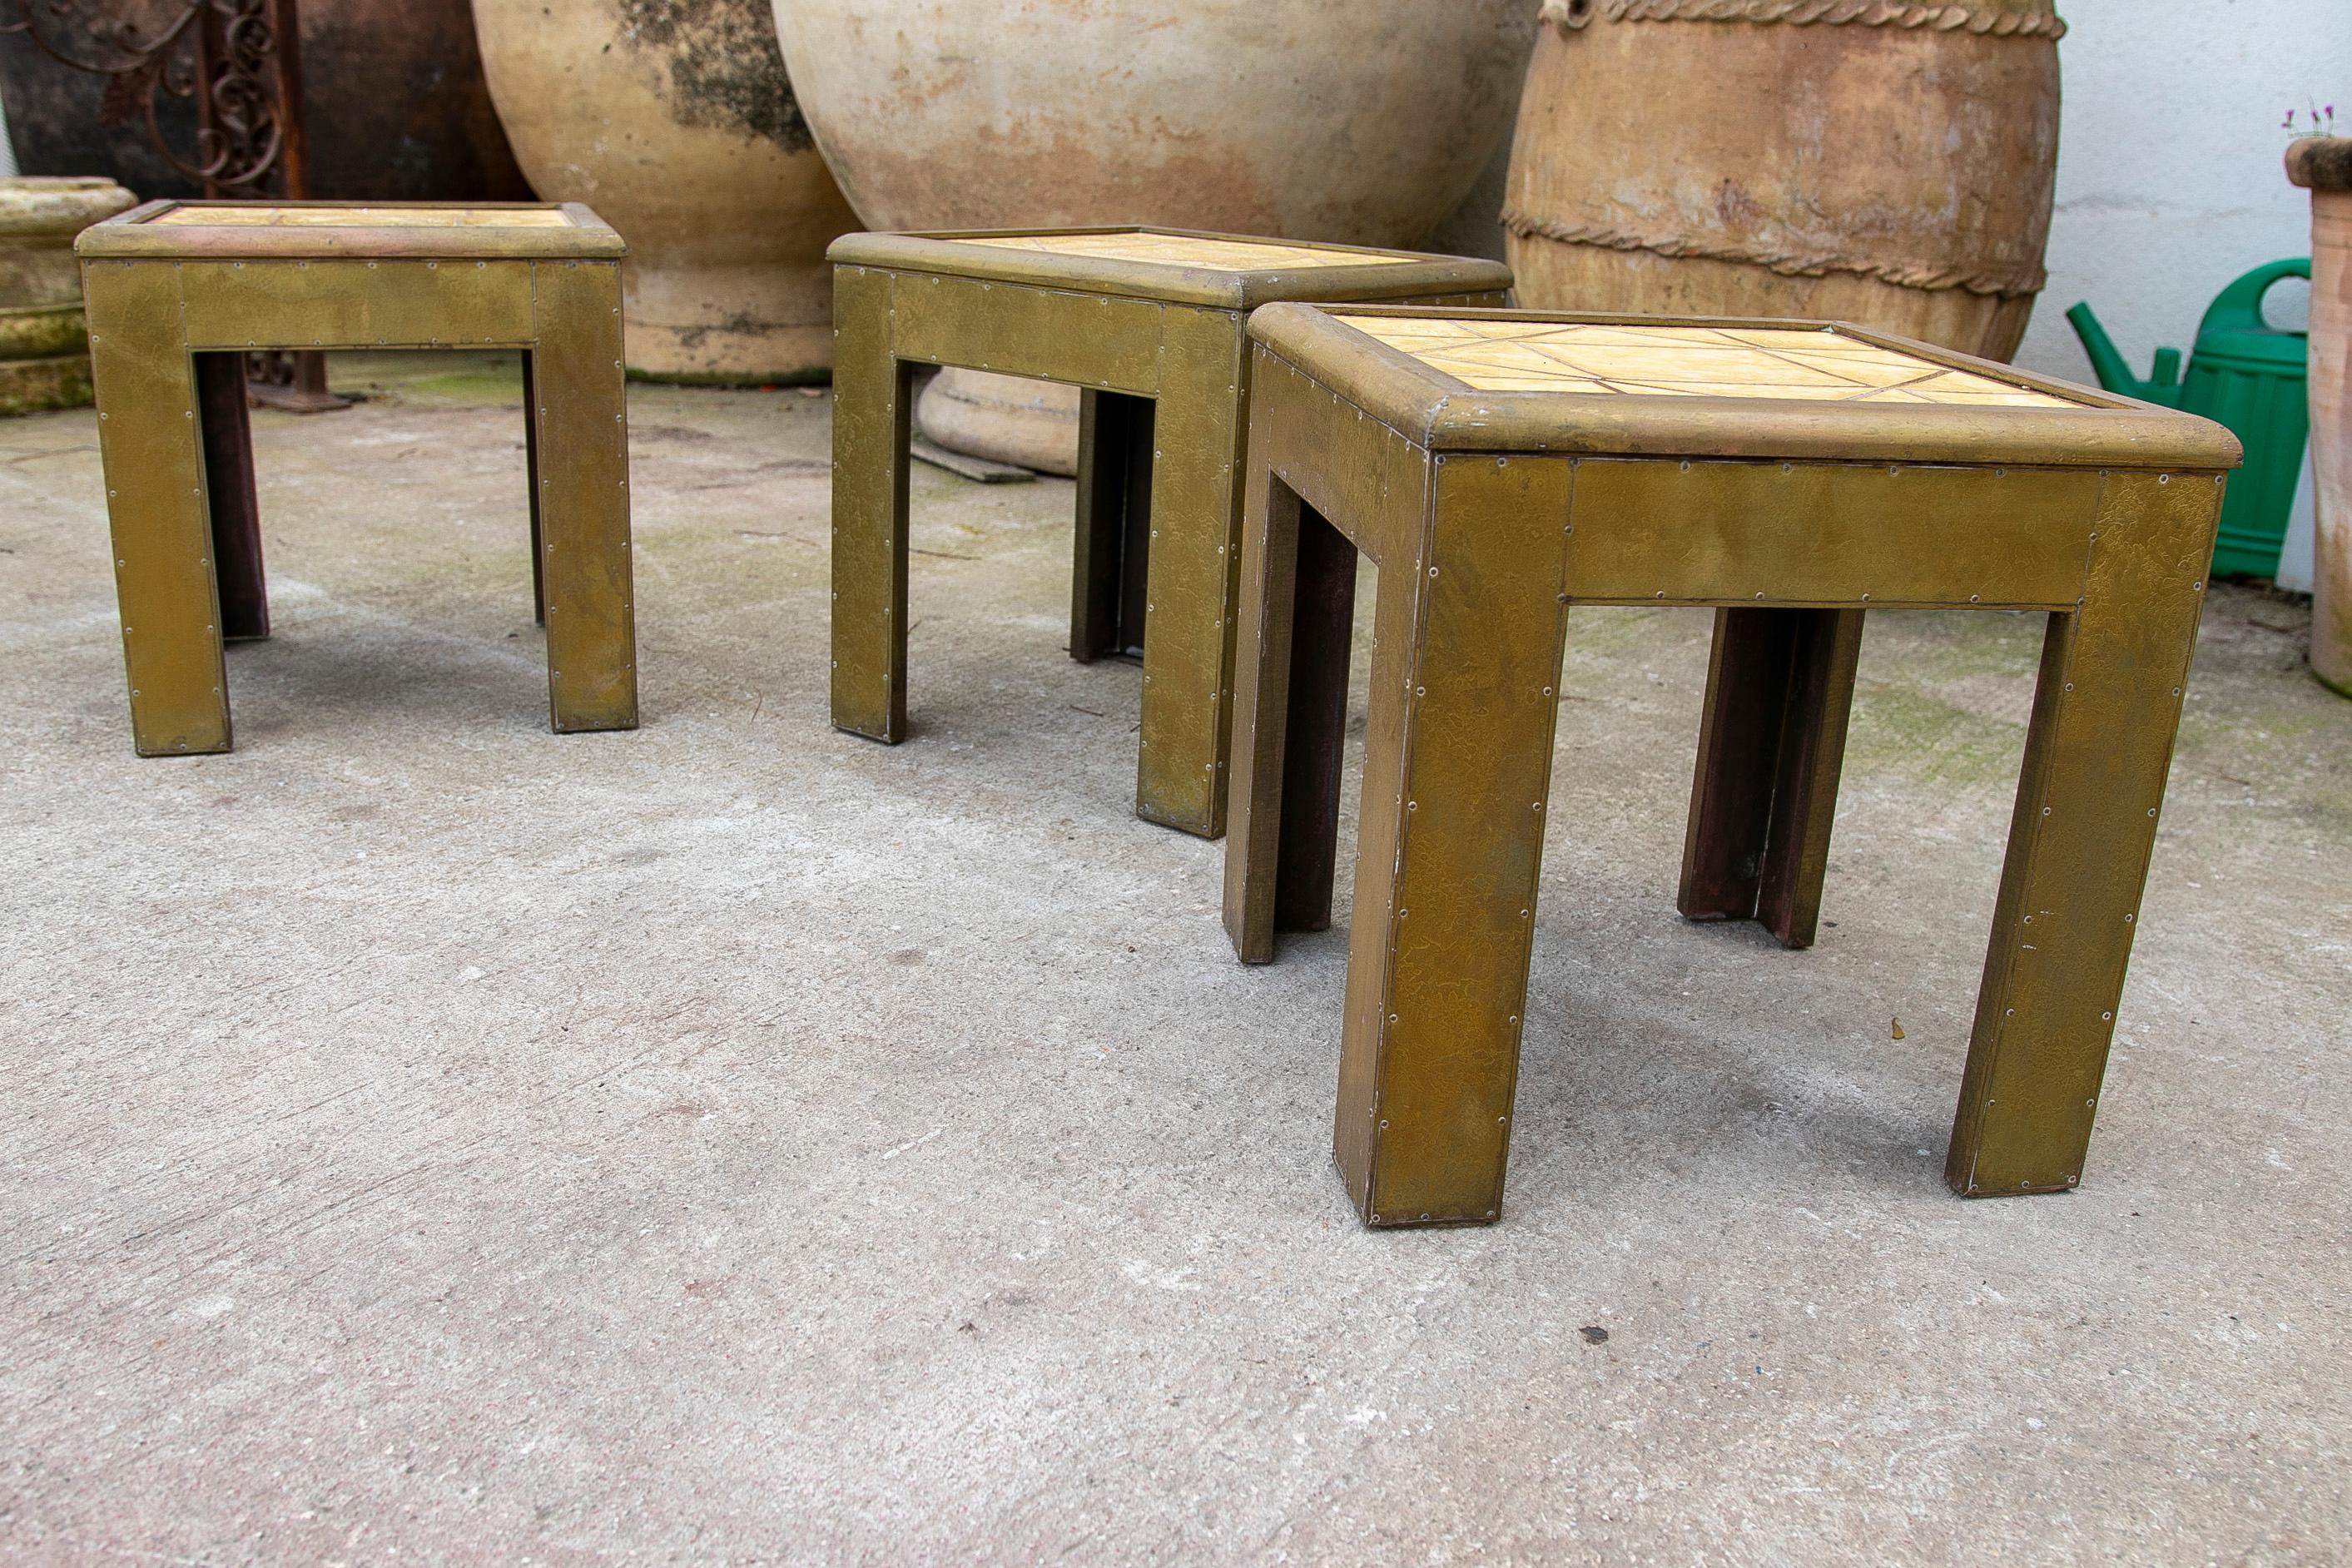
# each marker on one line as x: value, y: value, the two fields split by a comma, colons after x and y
x: 1315, y: 119
x: 675, y: 121
x: 1688, y: 361
x: 1892, y: 165
x: 1218, y: 254
x: 2325, y: 166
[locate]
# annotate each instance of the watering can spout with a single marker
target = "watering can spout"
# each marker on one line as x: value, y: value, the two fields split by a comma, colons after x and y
x: 2163, y: 384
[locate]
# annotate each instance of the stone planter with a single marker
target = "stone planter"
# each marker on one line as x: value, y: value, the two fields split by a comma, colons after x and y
x: 1354, y: 121
x: 2323, y: 164
x: 674, y: 119
x: 1889, y: 165
x: 44, y: 350
x: 395, y: 109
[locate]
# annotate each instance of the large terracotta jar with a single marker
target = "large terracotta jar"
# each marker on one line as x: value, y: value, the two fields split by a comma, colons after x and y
x: 2323, y: 164
x: 1355, y: 121
x: 1874, y: 161
x: 674, y: 119
x: 395, y: 105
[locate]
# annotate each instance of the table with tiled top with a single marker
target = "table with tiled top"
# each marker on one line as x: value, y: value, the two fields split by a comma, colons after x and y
x: 1498, y: 467
x: 178, y: 292
x: 1150, y: 325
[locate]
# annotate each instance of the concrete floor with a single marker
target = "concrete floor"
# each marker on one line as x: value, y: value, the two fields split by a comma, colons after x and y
x: 431, y: 1139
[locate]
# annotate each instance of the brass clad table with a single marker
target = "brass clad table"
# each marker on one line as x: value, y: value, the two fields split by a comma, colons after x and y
x: 177, y: 292
x: 1498, y: 467
x: 1149, y: 324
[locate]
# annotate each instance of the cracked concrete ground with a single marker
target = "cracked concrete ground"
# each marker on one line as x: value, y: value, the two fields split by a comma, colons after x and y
x: 432, y: 1139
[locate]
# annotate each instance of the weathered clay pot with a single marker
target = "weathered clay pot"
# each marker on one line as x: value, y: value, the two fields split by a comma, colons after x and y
x: 1874, y: 161
x: 394, y: 108
x: 2324, y: 166
x: 44, y: 348
x: 674, y: 119
x: 1354, y: 121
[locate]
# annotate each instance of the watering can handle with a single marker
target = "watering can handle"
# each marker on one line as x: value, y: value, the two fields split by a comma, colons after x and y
x: 2238, y: 308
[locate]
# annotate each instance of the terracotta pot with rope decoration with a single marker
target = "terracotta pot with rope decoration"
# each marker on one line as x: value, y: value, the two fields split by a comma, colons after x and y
x: 1871, y: 160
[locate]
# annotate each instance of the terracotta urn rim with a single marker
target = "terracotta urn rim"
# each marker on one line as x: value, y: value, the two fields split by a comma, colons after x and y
x: 58, y: 206
x: 2321, y: 162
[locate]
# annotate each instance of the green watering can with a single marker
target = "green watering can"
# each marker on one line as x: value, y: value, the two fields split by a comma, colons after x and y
x: 2250, y: 377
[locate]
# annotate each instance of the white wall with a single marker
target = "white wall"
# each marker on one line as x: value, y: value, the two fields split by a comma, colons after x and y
x: 2169, y: 162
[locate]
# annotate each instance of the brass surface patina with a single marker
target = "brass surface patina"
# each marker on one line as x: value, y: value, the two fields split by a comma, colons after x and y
x: 177, y: 292
x: 1153, y: 325
x: 1500, y: 468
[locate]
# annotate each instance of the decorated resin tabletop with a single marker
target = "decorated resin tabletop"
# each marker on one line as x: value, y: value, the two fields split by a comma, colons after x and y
x: 1234, y: 271
x: 316, y: 230
x: 1521, y: 381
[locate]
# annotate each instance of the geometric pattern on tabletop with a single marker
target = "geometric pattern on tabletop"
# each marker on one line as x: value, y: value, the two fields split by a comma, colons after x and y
x: 1691, y: 362
x: 329, y: 214
x: 177, y: 293
x: 1489, y: 513
x: 1215, y: 252
x: 1151, y: 325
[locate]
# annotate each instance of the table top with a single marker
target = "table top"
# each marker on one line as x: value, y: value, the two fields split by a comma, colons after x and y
x: 326, y: 230
x: 1513, y: 380
x: 1232, y: 272
x: 1817, y: 364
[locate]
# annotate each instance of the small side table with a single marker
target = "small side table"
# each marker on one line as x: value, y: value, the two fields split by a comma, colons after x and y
x: 1151, y: 324
x: 1501, y: 467
x: 178, y: 291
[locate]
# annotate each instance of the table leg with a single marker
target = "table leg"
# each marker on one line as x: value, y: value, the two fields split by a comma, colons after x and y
x: 580, y: 404
x: 2096, y: 755
x: 228, y: 427
x: 1457, y: 768
x: 873, y: 399
x: 1322, y: 630
x: 530, y: 462
x: 1290, y: 718
x: 157, y: 511
x: 1199, y: 426
x: 1779, y: 691
x: 1114, y: 534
